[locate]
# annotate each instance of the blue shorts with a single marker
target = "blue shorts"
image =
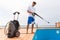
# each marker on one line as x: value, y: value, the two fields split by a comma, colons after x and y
x: 30, y: 20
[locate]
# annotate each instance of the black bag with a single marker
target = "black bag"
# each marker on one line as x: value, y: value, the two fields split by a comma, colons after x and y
x: 13, y: 28
x: 16, y: 28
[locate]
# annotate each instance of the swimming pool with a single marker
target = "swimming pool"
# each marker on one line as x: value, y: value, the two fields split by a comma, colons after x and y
x: 47, y: 34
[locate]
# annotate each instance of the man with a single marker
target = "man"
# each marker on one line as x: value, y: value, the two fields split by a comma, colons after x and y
x: 31, y: 19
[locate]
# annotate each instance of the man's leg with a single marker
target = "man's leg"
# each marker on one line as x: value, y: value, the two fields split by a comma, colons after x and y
x: 27, y: 28
x: 32, y: 28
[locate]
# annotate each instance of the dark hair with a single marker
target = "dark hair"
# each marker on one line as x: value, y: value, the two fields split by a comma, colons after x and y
x: 34, y: 2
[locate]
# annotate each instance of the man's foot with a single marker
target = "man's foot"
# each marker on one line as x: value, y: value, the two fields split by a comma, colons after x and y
x: 32, y: 32
x: 26, y: 32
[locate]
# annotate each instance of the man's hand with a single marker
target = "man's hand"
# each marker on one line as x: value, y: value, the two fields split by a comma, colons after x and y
x: 33, y: 14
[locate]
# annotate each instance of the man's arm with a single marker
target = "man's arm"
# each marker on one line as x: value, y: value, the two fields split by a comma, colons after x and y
x: 29, y: 11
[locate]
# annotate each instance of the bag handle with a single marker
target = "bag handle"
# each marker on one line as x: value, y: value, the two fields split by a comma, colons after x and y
x: 15, y: 14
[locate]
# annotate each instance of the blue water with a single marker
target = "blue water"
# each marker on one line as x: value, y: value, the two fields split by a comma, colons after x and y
x: 47, y: 34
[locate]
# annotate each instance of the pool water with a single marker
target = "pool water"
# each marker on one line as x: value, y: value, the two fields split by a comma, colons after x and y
x: 47, y: 34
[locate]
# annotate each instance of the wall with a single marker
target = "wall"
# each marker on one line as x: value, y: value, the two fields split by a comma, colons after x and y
x: 48, y: 9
